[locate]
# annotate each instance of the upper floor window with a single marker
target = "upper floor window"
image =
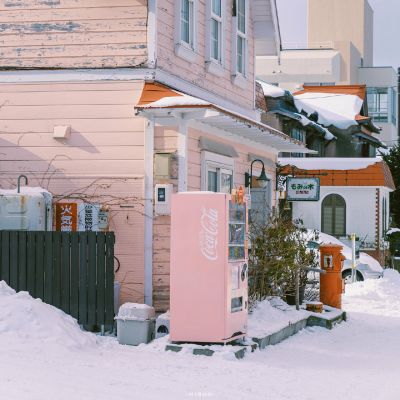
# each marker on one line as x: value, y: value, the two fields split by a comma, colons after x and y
x: 298, y: 135
x: 377, y: 98
x: 215, y: 36
x: 334, y: 215
x: 240, y: 44
x: 318, y: 145
x: 186, y: 29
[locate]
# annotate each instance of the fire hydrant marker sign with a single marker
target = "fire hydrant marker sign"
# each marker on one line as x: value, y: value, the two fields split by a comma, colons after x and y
x: 66, y: 217
x: 302, y: 189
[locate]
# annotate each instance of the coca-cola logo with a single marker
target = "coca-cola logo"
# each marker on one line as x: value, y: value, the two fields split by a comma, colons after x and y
x: 208, y: 235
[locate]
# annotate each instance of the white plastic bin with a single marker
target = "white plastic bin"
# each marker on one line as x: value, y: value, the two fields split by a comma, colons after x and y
x: 135, y: 323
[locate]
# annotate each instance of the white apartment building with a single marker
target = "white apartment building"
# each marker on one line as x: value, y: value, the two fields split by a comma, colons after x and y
x: 338, y: 52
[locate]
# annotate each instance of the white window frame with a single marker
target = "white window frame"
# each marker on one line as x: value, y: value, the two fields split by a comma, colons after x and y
x: 187, y: 51
x: 216, y: 67
x: 221, y: 164
x: 240, y: 79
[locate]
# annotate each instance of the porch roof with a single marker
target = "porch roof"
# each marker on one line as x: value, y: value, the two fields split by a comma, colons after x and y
x: 160, y: 102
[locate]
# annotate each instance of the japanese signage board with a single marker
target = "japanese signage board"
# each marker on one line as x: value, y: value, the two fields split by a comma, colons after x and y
x: 302, y: 189
x: 88, y: 216
x: 66, y: 217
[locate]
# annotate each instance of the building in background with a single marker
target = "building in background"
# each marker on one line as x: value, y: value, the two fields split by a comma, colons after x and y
x: 339, y: 51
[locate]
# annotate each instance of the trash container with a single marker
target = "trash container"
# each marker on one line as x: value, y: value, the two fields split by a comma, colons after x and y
x: 135, y: 323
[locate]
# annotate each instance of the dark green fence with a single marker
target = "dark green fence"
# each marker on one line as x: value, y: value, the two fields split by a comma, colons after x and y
x: 73, y: 271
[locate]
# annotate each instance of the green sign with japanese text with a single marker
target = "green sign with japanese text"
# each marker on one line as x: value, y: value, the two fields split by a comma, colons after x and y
x: 302, y: 189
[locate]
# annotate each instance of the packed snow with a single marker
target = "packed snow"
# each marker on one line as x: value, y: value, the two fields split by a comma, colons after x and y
x: 271, y: 316
x: 335, y: 109
x: 44, y: 355
x: 330, y: 163
x: 271, y: 90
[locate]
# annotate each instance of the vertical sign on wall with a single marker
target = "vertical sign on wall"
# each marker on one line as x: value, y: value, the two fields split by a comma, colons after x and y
x: 66, y: 217
x: 88, y: 216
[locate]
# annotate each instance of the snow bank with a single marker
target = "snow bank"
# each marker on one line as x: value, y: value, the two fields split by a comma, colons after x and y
x: 272, y: 315
x: 331, y: 163
x: 25, y: 320
x: 392, y: 275
x: 271, y: 90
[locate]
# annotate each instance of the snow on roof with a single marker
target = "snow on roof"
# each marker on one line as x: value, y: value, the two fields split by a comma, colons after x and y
x: 306, y: 121
x: 327, y: 115
x: 271, y: 90
x: 330, y: 163
x: 172, y: 101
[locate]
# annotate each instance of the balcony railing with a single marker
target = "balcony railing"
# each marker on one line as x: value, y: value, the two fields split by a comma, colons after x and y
x: 307, y: 45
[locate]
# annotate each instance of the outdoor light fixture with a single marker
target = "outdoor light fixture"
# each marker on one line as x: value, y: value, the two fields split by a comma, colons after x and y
x: 262, y: 179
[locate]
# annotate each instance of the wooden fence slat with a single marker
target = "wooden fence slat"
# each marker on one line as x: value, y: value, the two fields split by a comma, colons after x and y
x: 101, y: 277
x: 83, y: 278
x: 30, y: 263
x: 22, y: 260
x: 65, y: 271
x: 109, y: 295
x: 92, y: 278
x: 39, y: 267
x: 57, y: 269
x: 75, y: 275
x: 1, y: 258
x: 14, y: 259
x: 48, y: 267
x: 5, y: 256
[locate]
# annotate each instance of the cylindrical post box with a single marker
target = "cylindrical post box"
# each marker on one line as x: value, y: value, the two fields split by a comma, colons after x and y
x: 331, y: 284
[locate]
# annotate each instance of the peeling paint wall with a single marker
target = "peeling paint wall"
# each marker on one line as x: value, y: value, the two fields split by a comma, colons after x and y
x: 72, y: 33
x: 102, y: 162
x: 196, y: 73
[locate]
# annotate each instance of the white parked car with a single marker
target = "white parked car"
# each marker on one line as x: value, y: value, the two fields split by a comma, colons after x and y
x: 368, y: 268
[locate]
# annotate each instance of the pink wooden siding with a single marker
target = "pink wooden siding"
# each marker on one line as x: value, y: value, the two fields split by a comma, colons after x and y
x: 195, y: 73
x: 102, y: 162
x: 73, y: 34
x: 166, y: 140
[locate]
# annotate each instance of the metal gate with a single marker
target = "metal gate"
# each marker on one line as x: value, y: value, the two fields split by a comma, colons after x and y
x: 73, y: 271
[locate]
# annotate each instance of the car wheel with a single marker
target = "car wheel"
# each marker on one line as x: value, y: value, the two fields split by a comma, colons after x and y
x: 348, y: 279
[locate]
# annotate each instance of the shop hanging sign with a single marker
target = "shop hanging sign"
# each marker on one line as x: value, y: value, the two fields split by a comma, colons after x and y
x: 302, y: 189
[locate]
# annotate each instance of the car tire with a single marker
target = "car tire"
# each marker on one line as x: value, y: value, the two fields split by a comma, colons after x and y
x: 347, y: 277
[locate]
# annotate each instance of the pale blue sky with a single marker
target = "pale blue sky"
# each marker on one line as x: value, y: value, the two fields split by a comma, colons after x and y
x: 293, y: 25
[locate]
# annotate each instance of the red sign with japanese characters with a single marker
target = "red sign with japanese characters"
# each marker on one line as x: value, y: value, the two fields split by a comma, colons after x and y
x: 66, y: 217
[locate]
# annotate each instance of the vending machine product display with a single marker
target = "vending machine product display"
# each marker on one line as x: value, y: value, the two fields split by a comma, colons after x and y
x: 209, y: 267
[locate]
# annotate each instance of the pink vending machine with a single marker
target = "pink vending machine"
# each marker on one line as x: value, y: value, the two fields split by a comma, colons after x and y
x: 209, y: 258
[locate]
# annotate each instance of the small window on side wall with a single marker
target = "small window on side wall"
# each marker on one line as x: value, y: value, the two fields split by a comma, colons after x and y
x: 217, y: 172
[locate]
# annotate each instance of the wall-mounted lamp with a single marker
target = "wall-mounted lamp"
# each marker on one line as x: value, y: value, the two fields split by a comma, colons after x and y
x: 262, y: 179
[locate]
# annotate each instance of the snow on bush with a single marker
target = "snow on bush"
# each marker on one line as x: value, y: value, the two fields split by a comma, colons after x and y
x: 25, y: 320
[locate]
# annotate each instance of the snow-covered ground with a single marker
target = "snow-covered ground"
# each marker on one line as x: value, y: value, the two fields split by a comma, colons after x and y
x: 44, y: 355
